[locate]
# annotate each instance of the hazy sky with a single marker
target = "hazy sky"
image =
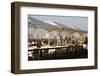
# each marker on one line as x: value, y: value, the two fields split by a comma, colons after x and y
x: 72, y: 21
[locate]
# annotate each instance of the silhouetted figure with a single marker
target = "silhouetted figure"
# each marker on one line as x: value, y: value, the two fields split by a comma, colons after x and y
x: 73, y: 39
x: 39, y: 43
x: 86, y: 41
x: 61, y: 40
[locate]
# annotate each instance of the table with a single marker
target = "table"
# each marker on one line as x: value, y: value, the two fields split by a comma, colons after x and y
x: 39, y: 51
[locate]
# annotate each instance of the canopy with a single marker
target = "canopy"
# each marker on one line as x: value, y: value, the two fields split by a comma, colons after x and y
x: 42, y: 24
x: 71, y: 28
x: 51, y: 25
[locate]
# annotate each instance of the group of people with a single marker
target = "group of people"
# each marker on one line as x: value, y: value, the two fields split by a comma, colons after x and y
x: 58, y: 42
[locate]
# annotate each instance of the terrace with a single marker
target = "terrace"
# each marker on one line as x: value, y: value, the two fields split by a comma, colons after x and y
x: 53, y: 40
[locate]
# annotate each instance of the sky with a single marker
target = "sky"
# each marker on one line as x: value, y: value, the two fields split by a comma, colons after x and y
x: 71, y: 21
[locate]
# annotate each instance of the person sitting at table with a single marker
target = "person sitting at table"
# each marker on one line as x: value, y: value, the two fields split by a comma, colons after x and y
x: 44, y: 42
x: 73, y: 39
x: 86, y: 41
x: 39, y: 43
x: 61, y: 40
